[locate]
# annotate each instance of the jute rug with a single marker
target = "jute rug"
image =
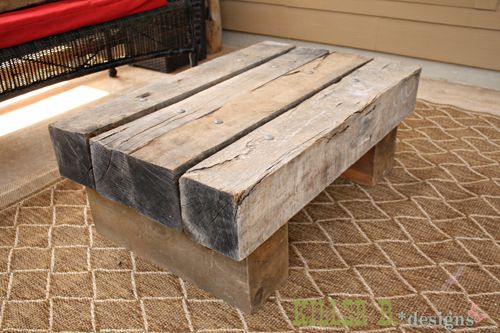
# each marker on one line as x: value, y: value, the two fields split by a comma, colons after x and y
x: 422, y: 247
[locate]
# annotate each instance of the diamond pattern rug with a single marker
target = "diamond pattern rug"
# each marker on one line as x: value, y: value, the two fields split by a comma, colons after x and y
x: 426, y: 240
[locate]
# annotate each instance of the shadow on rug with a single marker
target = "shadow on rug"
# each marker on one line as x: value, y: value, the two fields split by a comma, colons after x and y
x: 419, y: 247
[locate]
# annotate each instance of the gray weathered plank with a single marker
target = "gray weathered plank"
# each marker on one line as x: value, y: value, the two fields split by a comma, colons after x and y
x: 71, y: 135
x: 234, y: 200
x: 121, y: 176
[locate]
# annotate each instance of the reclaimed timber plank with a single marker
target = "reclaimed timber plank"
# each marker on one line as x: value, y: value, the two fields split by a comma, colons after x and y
x: 234, y: 200
x: 245, y: 284
x: 122, y: 176
x: 214, y: 27
x: 70, y: 136
x: 375, y: 164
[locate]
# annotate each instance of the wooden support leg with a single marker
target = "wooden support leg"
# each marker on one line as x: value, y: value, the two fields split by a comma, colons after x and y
x: 375, y: 164
x: 245, y: 284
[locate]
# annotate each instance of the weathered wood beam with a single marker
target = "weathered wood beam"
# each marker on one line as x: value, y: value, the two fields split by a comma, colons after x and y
x: 71, y: 135
x: 375, y: 164
x: 245, y: 284
x: 237, y: 198
x: 128, y: 161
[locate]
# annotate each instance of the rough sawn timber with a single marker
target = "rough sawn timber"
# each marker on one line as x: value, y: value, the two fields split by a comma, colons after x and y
x: 122, y: 175
x: 245, y: 284
x: 214, y: 27
x: 70, y: 136
x: 375, y: 164
x: 237, y: 198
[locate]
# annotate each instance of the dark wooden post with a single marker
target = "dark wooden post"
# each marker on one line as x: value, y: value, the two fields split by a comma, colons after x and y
x: 245, y: 284
x: 375, y: 164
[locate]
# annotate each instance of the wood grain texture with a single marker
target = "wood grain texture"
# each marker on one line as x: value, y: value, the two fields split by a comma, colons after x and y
x: 245, y: 284
x: 127, y: 172
x: 248, y: 190
x: 71, y: 135
x: 214, y: 27
x: 375, y: 164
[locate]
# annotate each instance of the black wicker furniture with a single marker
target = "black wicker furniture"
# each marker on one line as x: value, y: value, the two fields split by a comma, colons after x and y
x: 177, y: 29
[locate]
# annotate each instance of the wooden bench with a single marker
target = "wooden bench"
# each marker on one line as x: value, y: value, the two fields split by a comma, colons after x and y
x: 200, y: 172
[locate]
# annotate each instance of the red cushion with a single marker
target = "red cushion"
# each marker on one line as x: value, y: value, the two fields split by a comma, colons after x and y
x: 25, y: 25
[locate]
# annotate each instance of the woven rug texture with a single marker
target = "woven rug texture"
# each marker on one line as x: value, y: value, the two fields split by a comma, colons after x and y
x: 426, y: 240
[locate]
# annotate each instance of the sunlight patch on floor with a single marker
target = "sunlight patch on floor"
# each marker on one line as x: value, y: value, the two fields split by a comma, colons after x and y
x: 49, y: 107
x: 22, y: 98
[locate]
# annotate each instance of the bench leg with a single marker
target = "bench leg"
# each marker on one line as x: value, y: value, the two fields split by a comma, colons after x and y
x: 245, y: 284
x: 375, y: 164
